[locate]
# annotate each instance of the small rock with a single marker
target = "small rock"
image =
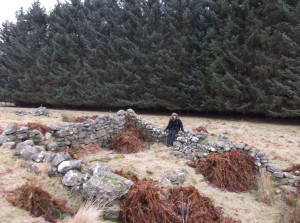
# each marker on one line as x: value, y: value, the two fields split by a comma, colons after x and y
x: 9, y: 145
x: 272, y: 169
x: 72, y: 178
x: 31, y: 167
x: 239, y: 146
x: 48, y: 136
x: 52, y: 146
x: 10, y: 129
x: 257, y: 163
x: 278, y: 174
x: 65, y: 166
x: 260, y: 154
x: 211, y: 149
x: 60, y: 157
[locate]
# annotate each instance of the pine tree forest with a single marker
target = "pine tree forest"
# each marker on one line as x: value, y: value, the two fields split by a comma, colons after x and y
x: 218, y: 56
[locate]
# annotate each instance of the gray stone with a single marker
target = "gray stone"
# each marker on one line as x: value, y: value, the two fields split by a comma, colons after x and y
x: 27, y: 152
x: 288, y: 175
x: 278, y: 174
x: 112, y: 211
x: 44, y: 156
x: 290, y: 189
x: 247, y: 148
x: 10, y: 129
x: 202, y: 155
x: 31, y: 167
x: 239, y: 146
x: 61, y: 133
x: 260, y: 154
x: 227, y: 148
x: 176, y: 177
x: 21, y: 146
x: 23, y: 136
x: 48, y: 136
x: 52, y: 146
x: 36, y: 136
x: 60, y: 157
x: 42, y: 111
x: 272, y: 169
x: 177, y: 144
x: 9, y: 145
x: 195, y: 139
x: 72, y: 178
x: 257, y: 163
x: 212, y: 150
x: 97, y: 168
x: 23, y: 129
x: 253, y: 152
x: 54, y: 127
x: 52, y: 171
x: 106, y: 187
x: 182, y: 139
x: 67, y: 165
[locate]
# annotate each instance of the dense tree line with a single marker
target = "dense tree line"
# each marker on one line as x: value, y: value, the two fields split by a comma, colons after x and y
x: 232, y: 56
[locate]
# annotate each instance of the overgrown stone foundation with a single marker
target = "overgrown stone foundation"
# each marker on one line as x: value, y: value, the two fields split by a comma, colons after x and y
x: 32, y: 146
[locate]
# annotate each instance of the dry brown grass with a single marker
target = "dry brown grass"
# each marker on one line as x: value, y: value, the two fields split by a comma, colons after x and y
x: 88, y: 213
x: 265, y: 189
x: 292, y: 214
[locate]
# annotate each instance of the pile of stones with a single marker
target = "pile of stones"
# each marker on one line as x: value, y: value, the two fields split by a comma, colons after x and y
x: 42, y: 111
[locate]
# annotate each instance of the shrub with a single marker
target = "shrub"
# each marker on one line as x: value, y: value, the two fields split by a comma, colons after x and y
x: 88, y: 213
x: 201, y: 128
x: 67, y: 118
x: 132, y: 139
x: 292, y: 214
x: 38, y: 126
x: 84, y: 118
x: 38, y: 202
x: 147, y: 202
x: 265, y: 189
x: 234, y: 171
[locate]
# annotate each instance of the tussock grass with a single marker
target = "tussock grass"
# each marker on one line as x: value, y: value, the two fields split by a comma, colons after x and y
x: 66, y: 117
x: 265, y: 189
x: 292, y: 214
x: 88, y: 213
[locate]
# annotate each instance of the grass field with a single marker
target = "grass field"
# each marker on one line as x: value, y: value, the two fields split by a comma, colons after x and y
x: 280, y: 141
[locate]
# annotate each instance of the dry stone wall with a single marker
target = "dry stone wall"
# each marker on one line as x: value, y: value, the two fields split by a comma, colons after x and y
x: 33, y: 147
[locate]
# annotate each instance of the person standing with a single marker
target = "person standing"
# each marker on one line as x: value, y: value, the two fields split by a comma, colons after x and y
x: 174, y: 126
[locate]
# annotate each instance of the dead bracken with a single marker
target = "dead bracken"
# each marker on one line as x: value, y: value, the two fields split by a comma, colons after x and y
x: 148, y: 202
x: 132, y: 139
x: 38, y: 202
x: 38, y: 126
x: 234, y: 171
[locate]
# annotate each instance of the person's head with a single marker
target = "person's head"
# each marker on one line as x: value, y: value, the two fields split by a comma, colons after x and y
x: 174, y: 116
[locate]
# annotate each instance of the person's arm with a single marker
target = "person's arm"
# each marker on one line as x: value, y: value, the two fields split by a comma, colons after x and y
x: 181, y: 125
x: 168, y: 126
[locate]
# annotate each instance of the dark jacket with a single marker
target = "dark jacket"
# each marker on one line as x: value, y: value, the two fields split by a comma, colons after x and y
x: 177, y: 124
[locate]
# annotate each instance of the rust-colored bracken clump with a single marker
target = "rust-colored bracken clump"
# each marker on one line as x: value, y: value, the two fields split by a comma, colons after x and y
x: 201, y: 128
x: 149, y: 202
x: 38, y: 202
x: 132, y: 139
x: 38, y: 126
x: 234, y: 171
x: 84, y: 118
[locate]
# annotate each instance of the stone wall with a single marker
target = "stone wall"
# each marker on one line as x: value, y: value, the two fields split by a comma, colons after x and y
x: 32, y: 146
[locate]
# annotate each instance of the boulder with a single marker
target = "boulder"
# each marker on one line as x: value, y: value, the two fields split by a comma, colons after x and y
x: 97, y: 168
x: 106, y: 187
x: 72, y: 178
x: 44, y: 156
x: 65, y: 166
x: 60, y: 157
x: 10, y: 129
x: 42, y: 111
x: 27, y: 152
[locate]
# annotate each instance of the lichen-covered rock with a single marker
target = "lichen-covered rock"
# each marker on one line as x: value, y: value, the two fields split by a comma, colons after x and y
x: 273, y: 169
x: 106, y: 187
x: 60, y: 157
x: 176, y: 177
x: 44, y: 156
x: 10, y: 129
x: 28, y: 151
x: 97, y: 168
x: 72, y: 178
x: 65, y: 166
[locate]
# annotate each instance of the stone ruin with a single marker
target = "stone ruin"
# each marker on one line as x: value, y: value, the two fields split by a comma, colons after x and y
x: 98, y: 182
